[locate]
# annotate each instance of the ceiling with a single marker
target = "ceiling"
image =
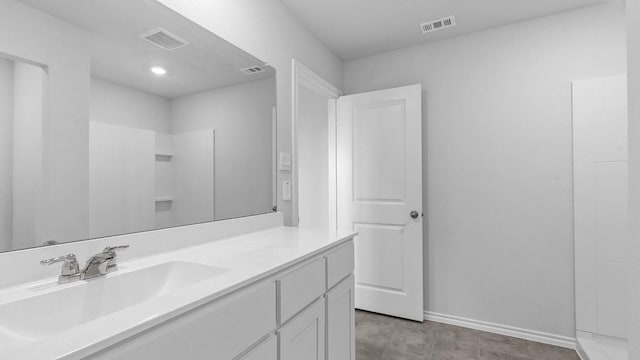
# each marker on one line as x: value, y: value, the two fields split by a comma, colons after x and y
x: 356, y: 28
x: 119, y: 54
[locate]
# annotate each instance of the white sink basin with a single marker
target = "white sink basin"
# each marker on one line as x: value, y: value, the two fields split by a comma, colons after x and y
x: 38, y: 316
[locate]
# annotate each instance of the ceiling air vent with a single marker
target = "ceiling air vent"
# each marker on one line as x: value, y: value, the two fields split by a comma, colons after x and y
x: 252, y: 70
x: 164, y: 39
x: 439, y: 24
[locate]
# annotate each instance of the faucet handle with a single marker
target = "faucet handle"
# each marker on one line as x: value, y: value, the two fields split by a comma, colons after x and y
x: 111, y: 248
x: 68, y: 257
x: 70, y: 268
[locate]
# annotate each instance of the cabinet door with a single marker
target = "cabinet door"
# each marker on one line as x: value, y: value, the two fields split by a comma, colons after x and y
x: 303, y: 337
x: 266, y: 350
x: 341, y: 321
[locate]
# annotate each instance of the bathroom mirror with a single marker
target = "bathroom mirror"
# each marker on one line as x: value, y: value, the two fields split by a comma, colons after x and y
x: 120, y: 116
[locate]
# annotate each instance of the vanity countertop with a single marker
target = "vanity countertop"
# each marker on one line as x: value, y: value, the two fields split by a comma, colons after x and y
x: 249, y: 258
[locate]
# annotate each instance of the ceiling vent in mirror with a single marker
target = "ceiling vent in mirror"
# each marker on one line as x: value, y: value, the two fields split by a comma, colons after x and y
x: 442, y: 23
x: 164, y: 39
x: 252, y: 70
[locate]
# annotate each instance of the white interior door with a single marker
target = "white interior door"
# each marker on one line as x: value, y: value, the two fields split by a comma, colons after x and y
x: 379, y: 164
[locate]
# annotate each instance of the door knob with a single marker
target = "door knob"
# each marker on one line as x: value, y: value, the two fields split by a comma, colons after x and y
x: 414, y: 214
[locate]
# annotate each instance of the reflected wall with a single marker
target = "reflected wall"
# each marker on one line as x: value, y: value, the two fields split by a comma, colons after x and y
x: 111, y: 148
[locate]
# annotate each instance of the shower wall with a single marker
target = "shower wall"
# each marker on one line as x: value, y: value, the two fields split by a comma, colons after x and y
x: 193, y: 177
x: 121, y: 177
x: 600, y: 208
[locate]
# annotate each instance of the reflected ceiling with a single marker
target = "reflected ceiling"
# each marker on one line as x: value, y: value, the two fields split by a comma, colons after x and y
x: 119, y: 53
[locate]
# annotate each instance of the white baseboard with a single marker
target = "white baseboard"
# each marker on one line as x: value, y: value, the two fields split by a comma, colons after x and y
x: 532, y: 335
x: 581, y: 353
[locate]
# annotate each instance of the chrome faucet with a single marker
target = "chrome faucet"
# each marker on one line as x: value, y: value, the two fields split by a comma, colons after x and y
x: 99, y: 264
x: 70, y: 268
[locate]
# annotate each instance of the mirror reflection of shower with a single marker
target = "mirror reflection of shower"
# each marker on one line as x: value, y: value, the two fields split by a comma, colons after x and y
x: 600, y: 182
x: 142, y: 179
x: 159, y: 162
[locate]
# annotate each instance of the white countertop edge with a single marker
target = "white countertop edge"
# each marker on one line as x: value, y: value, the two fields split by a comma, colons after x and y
x: 99, y: 334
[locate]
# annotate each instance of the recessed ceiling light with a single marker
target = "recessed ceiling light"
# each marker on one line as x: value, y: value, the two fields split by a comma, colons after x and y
x: 158, y: 70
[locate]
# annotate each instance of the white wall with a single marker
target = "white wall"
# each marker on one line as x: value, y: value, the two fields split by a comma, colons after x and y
x: 313, y: 158
x: 497, y: 160
x: 117, y: 104
x: 633, y: 249
x: 600, y: 205
x: 66, y: 147
x: 242, y: 168
x: 6, y: 153
x: 267, y: 30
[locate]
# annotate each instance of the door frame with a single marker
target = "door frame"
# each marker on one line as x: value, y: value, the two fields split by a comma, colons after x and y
x: 301, y: 74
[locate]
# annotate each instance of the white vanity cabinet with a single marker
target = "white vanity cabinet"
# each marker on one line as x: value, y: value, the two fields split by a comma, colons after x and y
x: 266, y: 350
x: 300, y: 287
x: 304, y: 336
x: 340, y: 304
x: 326, y: 328
x: 222, y: 329
x: 304, y: 312
x: 341, y: 321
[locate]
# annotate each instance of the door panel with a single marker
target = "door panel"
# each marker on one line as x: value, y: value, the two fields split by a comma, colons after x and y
x: 380, y: 259
x: 378, y: 129
x: 379, y: 157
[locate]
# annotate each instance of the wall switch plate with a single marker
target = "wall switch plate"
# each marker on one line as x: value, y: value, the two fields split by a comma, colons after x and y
x: 286, y: 190
x: 285, y: 162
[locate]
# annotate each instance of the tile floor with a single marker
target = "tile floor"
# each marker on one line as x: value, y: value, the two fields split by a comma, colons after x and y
x: 380, y: 337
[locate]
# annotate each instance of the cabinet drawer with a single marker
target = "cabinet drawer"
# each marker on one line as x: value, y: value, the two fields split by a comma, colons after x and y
x: 299, y: 288
x: 339, y: 264
x: 221, y: 330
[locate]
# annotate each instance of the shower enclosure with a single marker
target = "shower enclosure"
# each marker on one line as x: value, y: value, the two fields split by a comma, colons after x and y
x: 600, y: 216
